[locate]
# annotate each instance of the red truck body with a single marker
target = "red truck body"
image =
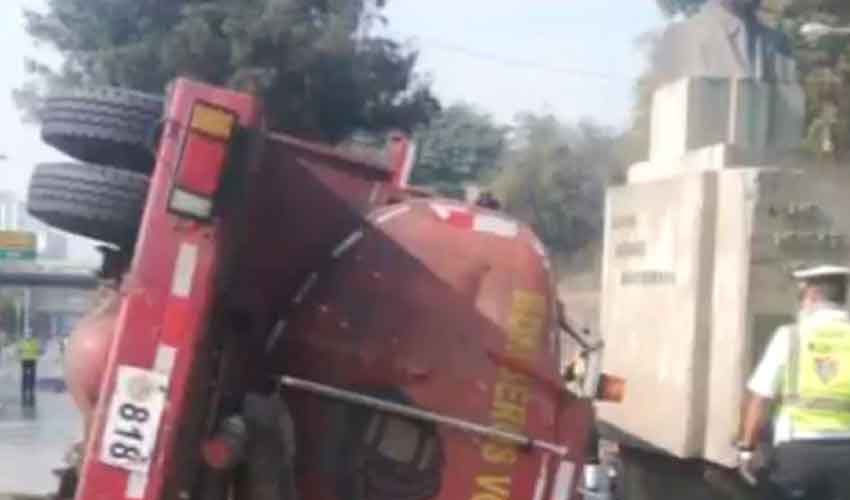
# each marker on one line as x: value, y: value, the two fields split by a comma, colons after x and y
x: 322, y: 266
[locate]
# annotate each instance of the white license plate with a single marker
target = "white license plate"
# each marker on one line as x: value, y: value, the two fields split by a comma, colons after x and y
x: 134, y: 417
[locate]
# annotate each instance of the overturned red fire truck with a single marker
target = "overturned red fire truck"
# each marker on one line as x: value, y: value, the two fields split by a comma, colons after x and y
x: 287, y: 320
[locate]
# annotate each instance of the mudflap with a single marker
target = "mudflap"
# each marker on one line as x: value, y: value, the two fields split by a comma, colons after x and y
x: 268, y: 471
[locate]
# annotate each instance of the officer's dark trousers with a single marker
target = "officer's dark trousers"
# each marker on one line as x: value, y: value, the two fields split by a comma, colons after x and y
x: 28, y: 382
x: 811, y: 470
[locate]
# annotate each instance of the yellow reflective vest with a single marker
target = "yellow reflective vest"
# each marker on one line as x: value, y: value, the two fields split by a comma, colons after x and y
x: 29, y: 349
x: 817, y: 378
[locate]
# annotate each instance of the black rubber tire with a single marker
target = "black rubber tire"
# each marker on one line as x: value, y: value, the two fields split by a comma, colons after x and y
x: 106, y: 126
x: 101, y: 203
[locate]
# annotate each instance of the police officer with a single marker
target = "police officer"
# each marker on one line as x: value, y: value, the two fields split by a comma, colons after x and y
x: 29, y: 350
x: 806, y: 371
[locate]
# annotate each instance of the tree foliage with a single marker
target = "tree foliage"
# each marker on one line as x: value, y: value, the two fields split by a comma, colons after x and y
x: 460, y: 145
x: 554, y: 177
x: 320, y: 69
x: 671, y: 7
x: 825, y: 74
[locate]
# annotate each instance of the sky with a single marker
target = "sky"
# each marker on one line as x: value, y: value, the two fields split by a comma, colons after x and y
x: 572, y: 58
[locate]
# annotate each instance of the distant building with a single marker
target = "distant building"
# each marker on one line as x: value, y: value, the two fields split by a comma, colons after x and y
x: 52, y: 244
x: 52, y: 311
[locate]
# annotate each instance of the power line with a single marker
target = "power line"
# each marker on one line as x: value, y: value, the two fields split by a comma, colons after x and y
x: 510, y: 62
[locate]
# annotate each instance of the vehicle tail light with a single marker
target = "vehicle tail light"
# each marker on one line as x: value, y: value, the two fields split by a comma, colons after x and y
x: 611, y: 389
x: 202, y: 160
x: 226, y: 448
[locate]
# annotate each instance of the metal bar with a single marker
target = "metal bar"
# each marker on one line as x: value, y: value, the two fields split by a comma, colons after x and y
x: 427, y: 416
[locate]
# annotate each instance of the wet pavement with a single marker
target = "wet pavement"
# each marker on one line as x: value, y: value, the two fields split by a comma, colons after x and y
x: 34, y: 441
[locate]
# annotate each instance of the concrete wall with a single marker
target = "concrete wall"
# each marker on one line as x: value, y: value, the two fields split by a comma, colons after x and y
x: 658, y: 239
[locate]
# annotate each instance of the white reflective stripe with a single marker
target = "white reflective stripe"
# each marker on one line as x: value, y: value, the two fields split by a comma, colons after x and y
x: 165, y: 359
x: 392, y: 214
x: 784, y: 432
x: 137, y: 483
x: 563, y: 481
x: 542, y: 476
x: 184, y: 270
x: 277, y: 332
x: 539, y: 248
x: 190, y: 203
x: 496, y: 225
x: 407, y: 166
x: 373, y: 195
x: 821, y: 435
x: 305, y: 288
x: 444, y: 211
x: 347, y: 243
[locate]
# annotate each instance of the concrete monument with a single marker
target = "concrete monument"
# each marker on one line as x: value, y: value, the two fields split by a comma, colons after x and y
x: 725, y: 39
x: 730, y: 93
x: 700, y: 242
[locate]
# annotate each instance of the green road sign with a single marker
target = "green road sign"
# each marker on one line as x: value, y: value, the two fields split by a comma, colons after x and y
x: 17, y: 245
x: 16, y: 254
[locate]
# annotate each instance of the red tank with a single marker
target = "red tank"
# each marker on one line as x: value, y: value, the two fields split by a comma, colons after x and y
x: 88, y: 351
x: 448, y: 308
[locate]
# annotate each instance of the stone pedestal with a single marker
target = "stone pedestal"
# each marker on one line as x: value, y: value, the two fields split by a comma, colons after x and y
x: 762, y: 119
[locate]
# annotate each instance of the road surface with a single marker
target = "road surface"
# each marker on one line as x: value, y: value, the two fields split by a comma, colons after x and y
x: 32, y: 443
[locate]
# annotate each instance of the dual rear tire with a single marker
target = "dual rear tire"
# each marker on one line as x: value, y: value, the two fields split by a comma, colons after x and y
x: 111, y: 132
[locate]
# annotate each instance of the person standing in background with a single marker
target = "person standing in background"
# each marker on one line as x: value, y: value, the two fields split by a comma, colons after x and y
x: 29, y: 351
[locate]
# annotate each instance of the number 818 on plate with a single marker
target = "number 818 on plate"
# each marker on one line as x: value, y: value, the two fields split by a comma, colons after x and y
x: 135, y: 413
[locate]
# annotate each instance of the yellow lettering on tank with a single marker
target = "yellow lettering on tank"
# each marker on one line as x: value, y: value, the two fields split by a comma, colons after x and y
x: 487, y: 496
x: 511, y: 393
x: 495, y: 485
x: 499, y: 453
x: 512, y: 413
x: 525, y: 324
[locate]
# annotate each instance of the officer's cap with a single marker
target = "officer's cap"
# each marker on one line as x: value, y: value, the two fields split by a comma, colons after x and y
x: 811, y: 273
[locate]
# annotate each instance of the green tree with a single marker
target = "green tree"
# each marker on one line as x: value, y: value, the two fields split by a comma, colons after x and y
x: 825, y: 73
x: 671, y: 7
x: 318, y: 65
x: 769, y: 7
x: 460, y: 145
x: 554, y: 177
